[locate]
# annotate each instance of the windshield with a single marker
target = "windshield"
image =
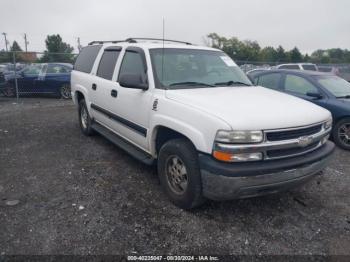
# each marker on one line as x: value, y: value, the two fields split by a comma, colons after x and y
x: 189, y: 68
x: 336, y: 85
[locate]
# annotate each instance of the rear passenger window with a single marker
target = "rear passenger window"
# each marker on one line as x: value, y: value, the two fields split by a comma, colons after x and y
x: 294, y: 67
x: 132, y: 64
x: 108, y: 62
x: 86, y: 58
x: 299, y: 85
x: 270, y: 80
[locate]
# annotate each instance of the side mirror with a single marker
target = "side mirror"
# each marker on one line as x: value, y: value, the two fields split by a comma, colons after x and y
x: 132, y: 81
x: 314, y: 95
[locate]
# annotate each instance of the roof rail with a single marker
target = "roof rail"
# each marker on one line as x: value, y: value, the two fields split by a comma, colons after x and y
x: 134, y: 40
x: 102, y: 42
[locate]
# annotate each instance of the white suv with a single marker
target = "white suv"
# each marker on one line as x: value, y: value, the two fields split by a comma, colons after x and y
x: 194, y: 113
x: 298, y: 66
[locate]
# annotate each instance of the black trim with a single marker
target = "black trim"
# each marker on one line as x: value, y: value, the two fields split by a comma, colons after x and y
x: 213, y: 166
x: 113, y: 48
x: 135, y: 127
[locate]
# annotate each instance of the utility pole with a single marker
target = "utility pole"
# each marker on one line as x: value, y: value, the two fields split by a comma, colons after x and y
x: 25, y: 42
x: 79, y: 45
x: 5, y: 41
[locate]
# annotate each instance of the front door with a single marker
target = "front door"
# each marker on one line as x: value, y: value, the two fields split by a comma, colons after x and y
x: 132, y: 107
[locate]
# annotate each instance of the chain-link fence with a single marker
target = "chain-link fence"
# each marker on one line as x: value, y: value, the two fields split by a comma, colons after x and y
x: 33, y: 74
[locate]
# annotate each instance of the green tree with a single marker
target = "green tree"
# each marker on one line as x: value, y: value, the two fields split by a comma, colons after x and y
x: 268, y: 54
x: 295, y: 56
x: 57, y: 50
x: 281, y: 55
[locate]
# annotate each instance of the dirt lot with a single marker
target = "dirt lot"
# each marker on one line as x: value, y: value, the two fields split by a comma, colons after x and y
x: 80, y: 195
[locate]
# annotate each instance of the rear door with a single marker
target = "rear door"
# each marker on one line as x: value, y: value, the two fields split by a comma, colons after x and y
x: 104, y: 93
x: 270, y: 80
x: 56, y: 76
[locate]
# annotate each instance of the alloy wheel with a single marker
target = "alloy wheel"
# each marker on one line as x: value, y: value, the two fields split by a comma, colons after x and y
x: 176, y: 174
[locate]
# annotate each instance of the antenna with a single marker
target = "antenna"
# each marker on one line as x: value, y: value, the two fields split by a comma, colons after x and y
x: 163, y: 49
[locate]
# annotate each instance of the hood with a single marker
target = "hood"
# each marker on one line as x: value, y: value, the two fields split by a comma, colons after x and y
x: 251, y: 108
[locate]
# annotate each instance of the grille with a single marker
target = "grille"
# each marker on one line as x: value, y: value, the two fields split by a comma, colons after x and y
x: 277, y: 153
x: 292, y: 134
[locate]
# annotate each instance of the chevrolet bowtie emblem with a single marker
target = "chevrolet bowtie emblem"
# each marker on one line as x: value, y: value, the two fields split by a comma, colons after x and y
x: 304, y: 141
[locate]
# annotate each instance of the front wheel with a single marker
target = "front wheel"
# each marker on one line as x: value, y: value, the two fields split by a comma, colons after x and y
x: 179, y: 173
x: 341, y: 133
x: 65, y: 91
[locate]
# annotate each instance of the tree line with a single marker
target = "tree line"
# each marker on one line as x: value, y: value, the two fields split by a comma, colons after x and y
x: 59, y: 51
x: 251, y: 51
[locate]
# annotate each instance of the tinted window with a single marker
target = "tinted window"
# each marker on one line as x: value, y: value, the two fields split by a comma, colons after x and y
x: 336, y: 85
x: 86, y: 58
x: 57, y: 69
x: 299, y: 85
x: 33, y: 69
x: 270, y: 80
x: 295, y: 67
x: 309, y: 67
x: 107, y: 64
x: 325, y: 69
x: 132, y: 64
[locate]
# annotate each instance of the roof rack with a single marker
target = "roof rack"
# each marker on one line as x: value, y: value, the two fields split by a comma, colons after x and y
x: 134, y: 40
x: 102, y: 42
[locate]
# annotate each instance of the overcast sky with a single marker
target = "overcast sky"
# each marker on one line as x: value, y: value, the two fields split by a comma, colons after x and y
x: 308, y: 24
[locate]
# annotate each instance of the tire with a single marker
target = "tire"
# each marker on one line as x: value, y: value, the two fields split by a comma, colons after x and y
x: 84, y: 119
x: 173, y: 156
x: 65, y: 91
x: 341, y: 133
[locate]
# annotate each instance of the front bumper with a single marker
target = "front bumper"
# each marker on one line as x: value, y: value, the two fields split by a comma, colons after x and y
x: 223, y: 181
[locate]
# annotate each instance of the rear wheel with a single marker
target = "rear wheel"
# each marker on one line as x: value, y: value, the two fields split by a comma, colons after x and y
x: 65, y: 91
x: 341, y: 133
x: 84, y: 119
x: 179, y: 173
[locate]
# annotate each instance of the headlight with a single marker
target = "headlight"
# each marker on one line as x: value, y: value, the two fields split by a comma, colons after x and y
x: 328, y: 124
x: 239, y: 137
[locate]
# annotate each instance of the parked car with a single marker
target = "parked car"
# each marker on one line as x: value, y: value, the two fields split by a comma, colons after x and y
x: 326, y: 90
x: 344, y: 72
x: 192, y: 110
x: 50, y: 78
x: 298, y: 66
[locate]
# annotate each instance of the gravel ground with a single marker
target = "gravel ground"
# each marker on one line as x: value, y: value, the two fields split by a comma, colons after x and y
x: 64, y: 193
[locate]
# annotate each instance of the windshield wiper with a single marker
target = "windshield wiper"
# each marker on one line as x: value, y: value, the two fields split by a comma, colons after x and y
x: 190, y: 83
x: 347, y: 96
x: 231, y: 83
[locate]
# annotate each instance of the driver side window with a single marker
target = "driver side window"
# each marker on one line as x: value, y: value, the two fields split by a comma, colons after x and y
x: 133, y: 64
x: 299, y: 85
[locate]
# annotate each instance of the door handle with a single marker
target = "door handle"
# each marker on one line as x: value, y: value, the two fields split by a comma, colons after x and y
x: 114, y: 93
x: 94, y: 86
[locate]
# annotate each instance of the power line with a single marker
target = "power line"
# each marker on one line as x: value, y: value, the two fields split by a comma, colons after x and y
x: 25, y: 42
